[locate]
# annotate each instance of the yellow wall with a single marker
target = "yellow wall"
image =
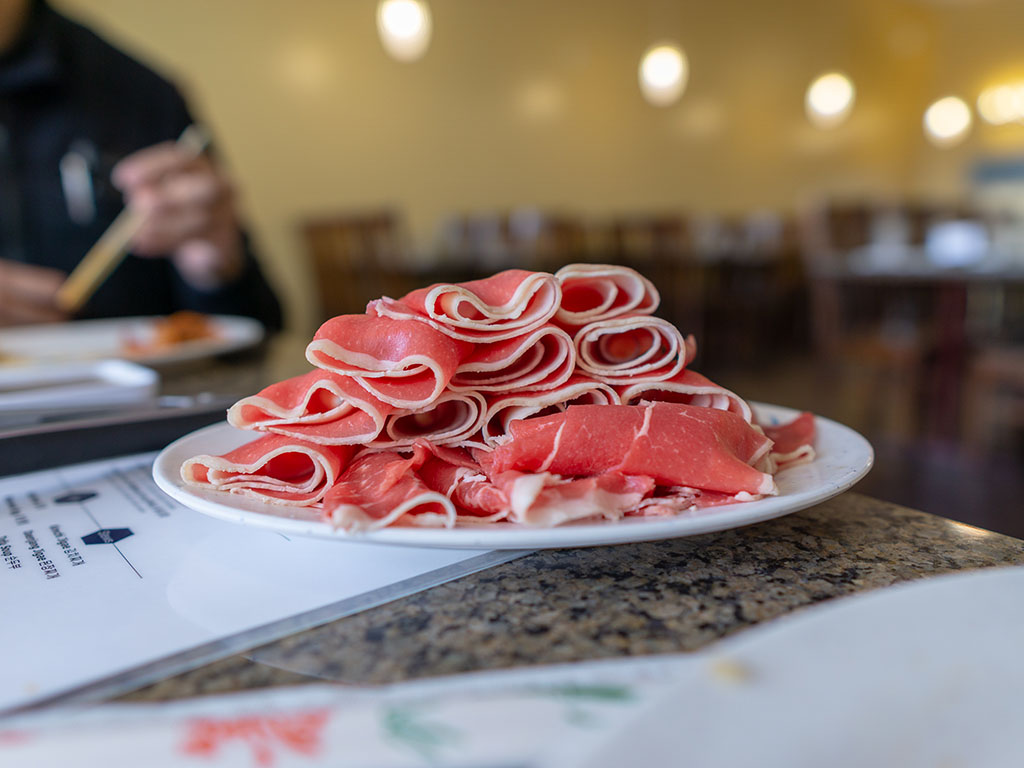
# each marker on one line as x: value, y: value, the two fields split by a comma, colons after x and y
x: 535, y: 102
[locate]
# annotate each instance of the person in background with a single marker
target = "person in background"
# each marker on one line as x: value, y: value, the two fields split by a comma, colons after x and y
x: 84, y: 131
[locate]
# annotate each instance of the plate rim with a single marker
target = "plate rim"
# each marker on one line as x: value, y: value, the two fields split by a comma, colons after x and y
x: 166, y: 474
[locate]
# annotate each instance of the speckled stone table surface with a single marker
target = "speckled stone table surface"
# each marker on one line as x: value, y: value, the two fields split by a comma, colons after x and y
x: 577, y: 604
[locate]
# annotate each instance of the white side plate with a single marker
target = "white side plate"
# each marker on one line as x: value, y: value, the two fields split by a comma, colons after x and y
x: 95, y: 339
x: 844, y: 457
x: 28, y: 394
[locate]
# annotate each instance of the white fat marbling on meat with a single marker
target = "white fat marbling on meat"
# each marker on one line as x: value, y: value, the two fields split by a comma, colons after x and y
x: 645, y: 427
x: 554, y: 449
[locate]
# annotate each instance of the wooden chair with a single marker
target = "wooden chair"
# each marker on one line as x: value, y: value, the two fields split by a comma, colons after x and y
x: 865, y: 342
x: 660, y: 246
x: 646, y: 238
x: 356, y: 257
x: 993, y: 410
x: 524, y: 238
x: 753, y: 289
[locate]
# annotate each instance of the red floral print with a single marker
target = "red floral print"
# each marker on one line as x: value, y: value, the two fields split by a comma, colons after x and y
x: 299, y: 732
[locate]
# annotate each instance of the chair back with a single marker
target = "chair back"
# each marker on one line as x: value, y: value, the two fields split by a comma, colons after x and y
x: 356, y: 257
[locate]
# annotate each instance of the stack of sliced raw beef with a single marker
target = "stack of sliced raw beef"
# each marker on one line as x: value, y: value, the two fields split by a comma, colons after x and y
x: 452, y: 405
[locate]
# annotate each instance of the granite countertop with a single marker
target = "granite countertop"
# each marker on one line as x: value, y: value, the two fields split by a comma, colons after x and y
x: 576, y: 604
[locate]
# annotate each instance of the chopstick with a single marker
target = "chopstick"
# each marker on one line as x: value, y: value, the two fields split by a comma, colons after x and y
x: 110, y: 249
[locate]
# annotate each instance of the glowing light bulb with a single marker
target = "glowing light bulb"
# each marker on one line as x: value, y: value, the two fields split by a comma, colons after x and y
x: 947, y: 121
x: 829, y: 99
x: 1002, y: 104
x: 990, y: 105
x: 405, y: 27
x: 663, y: 74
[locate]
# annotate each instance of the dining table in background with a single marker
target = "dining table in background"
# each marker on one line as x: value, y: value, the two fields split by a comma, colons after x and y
x: 926, y: 325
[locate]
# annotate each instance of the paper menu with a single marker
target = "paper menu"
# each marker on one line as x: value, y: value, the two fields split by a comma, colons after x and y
x: 106, y: 583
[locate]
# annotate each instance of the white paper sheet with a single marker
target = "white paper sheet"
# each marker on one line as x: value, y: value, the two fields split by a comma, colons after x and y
x: 106, y: 583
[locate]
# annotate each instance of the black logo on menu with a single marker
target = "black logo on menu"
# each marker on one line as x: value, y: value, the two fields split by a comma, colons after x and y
x: 76, y: 497
x: 107, y: 536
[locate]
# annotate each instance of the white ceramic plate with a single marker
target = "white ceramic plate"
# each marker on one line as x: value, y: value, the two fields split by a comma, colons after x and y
x: 96, y: 339
x: 844, y: 457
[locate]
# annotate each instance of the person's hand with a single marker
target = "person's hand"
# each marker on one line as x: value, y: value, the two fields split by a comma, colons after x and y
x: 28, y: 294
x: 187, y: 206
